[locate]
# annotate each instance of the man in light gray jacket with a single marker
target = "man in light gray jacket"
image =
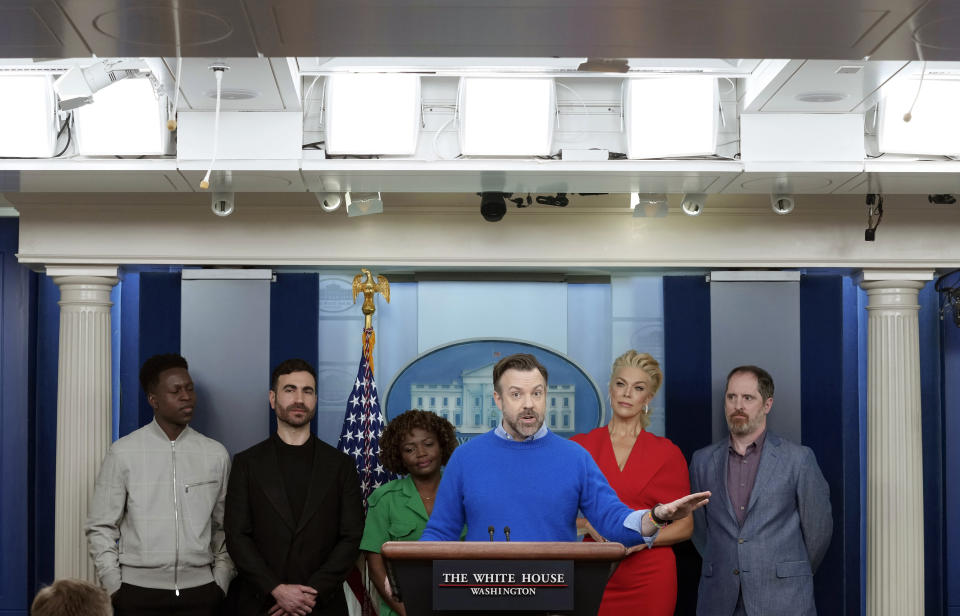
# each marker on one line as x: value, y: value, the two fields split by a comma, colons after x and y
x: 769, y: 523
x: 155, y: 524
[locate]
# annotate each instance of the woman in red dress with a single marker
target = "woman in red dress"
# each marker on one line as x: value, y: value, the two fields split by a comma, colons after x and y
x: 644, y: 470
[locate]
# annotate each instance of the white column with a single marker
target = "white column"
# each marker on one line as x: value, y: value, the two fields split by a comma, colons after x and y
x: 83, y: 407
x: 894, y: 444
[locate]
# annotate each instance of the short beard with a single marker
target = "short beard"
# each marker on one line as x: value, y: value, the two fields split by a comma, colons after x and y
x: 284, y: 417
x: 516, y: 428
x: 746, y: 427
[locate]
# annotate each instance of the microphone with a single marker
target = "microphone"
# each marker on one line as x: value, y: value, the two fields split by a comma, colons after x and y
x: 490, y: 530
x: 506, y: 532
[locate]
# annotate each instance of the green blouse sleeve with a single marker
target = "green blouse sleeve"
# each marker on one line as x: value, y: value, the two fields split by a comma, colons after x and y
x: 375, y: 529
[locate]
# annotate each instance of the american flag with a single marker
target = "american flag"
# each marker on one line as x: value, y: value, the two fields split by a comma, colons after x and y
x: 363, y: 425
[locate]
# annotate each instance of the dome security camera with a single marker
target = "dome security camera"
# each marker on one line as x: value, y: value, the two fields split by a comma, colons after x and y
x: 223, y: 203
x: 329, y: 202
x: 692, y: 204
x: 782, y: 204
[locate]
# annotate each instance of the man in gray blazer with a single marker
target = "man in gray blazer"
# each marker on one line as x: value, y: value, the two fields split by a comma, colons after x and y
x: 768, y: 525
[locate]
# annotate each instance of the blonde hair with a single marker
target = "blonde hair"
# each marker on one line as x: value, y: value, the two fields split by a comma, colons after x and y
x: 646, y: 362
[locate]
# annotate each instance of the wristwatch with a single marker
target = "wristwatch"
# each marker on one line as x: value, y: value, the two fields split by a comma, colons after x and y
x: 658, y: 521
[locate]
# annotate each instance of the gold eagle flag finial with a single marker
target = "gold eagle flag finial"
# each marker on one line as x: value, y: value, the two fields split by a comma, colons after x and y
x: 364, y: 283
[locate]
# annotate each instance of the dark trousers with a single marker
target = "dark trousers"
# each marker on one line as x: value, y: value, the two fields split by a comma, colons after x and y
x: 133, y: 600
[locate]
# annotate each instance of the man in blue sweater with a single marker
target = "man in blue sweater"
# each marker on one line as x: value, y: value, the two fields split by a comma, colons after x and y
x: 522, y: 476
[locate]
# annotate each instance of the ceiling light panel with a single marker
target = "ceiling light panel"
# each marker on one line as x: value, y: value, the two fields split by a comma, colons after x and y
x: 28, y: 107
x: 372, y: 114
x: 507, y: 116
x: 671, y: 116
x: 934, y: 126
x: 126, y: 119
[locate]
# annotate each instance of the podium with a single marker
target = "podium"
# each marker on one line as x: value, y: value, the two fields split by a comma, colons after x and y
x: 468, y: 578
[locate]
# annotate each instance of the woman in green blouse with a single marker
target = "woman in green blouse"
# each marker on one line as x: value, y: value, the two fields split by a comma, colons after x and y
x: 418, y: 444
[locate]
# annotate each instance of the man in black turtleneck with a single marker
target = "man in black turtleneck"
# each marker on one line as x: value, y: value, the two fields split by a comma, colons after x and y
x: 293, y: 515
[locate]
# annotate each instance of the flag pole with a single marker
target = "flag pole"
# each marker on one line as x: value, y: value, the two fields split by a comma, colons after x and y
x: 363, y: 425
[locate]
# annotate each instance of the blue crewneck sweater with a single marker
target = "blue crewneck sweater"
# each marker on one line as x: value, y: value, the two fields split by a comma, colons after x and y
x: 535, y: 487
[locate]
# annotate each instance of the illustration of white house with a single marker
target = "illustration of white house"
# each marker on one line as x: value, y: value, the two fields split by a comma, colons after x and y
x: 468, y: 402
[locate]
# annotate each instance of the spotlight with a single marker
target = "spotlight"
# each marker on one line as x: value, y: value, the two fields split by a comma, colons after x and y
x: 361, y: 204
x: 329, y: 202
x: 648, y: 205
x: 493, y: 206
x: 76, y: 87
x: 692, y: 204
x: 942, y: 199
x: 223, y: 203
x: 782, y: 204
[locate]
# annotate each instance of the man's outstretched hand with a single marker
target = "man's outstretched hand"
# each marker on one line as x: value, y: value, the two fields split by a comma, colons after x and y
x: 682, y: 507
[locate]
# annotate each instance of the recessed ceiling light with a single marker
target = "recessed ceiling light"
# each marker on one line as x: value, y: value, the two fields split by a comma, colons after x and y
x: 820, y: 97
x: 232, y: 94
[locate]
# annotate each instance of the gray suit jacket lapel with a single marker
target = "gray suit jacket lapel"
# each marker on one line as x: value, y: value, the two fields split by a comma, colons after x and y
x: 720, y: 462
x: 769, y: 461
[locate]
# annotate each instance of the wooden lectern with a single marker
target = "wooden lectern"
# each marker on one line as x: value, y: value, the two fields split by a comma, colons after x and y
x: 505, y: 577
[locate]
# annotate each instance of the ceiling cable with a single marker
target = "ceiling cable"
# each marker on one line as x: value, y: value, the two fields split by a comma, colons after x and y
x: 218, y: 70
x: 733, y: 88
x: 909, y: 114
x: 582, y: 133
x: 306, y: 103
x: 172, y: 122
x: 436, y: 136
x: 456, y: 116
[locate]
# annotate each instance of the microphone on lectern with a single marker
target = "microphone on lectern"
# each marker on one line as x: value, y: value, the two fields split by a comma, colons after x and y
x: 506, y: 532
x: 490, y: 530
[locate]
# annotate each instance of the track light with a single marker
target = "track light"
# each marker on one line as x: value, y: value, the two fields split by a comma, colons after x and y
x: 493, y: 206
x: 329, y: 202
x: 76, y: 87
x: 692, y: 204
x: 782, y: 204
x: 361, y: 204
x: 649, y: 205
